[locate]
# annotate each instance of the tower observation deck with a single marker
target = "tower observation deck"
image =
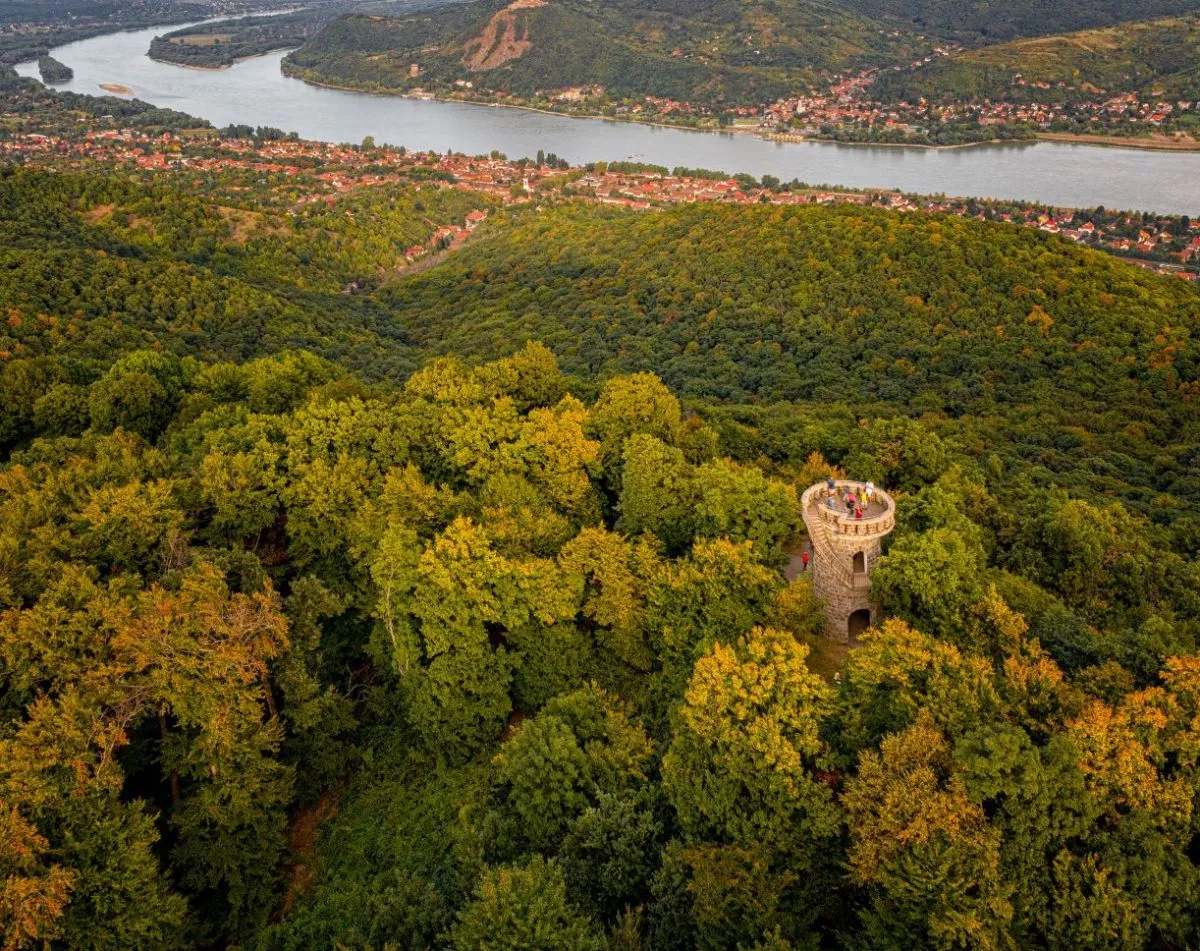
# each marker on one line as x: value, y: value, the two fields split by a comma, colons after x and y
x: 845, y: 548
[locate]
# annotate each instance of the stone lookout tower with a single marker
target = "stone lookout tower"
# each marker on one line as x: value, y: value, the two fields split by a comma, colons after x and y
x: 845, y: 549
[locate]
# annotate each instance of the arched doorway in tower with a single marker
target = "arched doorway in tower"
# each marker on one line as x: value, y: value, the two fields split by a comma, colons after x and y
x: 860, y: 563
x: 859, y: 621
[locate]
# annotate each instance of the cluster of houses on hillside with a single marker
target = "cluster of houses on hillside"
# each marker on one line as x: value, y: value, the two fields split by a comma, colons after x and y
x: 849, y: 103
x: 645, y: 190
x: 1172, y: 242
x: 814, y: 115
x: 448, y: 237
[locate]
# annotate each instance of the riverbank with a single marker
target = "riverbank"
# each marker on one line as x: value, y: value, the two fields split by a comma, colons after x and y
x: 1153, y: 144
x: 431, y: 97
x: 757, y: 133
x: 202, y: 69
x: 1161, y: 144
x: 797, y: 139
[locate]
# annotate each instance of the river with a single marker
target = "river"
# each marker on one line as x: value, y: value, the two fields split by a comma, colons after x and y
x: 255, y: 92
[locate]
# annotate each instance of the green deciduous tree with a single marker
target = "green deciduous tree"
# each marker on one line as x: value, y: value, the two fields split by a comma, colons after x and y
x: 657, y: 492
x: 531, y: 377
x: 931, y: 578
x: 616, y: 574
x: 923, y: 850
x: 743, y: 766
x: 899, y: 674
x: 718, y: 593
x: 639, y: 403
x: 737, y: 896
x: 62, y: 411
x: 581, y: 745
x: 741, y: 503
x: 523, y: 908
x: 460, y: 701
x: 138, y: 393
x: 611, y: 851
x: 900, y: 453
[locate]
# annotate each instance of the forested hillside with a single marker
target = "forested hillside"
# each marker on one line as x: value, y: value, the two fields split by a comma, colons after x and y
x: 343, y: 606
x: 220, y: 277
x: 1159, y: 59
x: 31, y: 28
x: 816, y: 303
x: 218, y: 44
x: 1000, y: 21
x: 716, y: 51
x: 1042, y: 350
x: 221, y: 43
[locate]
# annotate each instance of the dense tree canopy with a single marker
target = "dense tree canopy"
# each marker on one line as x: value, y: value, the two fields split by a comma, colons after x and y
x: 316, y: 631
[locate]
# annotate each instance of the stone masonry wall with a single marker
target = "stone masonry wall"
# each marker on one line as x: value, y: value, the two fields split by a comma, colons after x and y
x: 836, y: 540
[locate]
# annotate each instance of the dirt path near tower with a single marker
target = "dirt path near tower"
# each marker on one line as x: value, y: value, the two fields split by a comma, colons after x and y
x: 795, y: 565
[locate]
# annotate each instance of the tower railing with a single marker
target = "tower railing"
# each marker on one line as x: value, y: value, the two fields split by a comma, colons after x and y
x: 843, y: 522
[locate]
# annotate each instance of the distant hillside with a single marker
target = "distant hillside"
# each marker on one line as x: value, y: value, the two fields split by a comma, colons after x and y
x: 1160, y: 58
x: 214, y: 45
x: 220, y: 43
x: 29, y: 29
x: 706, y: 50
x: 998, y: 20
x: 814, y: 303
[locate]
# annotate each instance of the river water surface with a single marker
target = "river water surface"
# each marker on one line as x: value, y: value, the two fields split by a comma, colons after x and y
x: 255, y: 92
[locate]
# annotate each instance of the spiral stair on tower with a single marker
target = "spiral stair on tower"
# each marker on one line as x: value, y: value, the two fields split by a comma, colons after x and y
x: 844, y: 550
